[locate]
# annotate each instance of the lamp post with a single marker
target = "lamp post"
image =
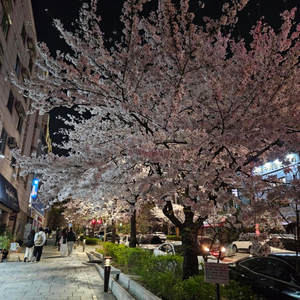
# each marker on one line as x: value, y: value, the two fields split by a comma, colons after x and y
x: 106, y: 272
x: 83, y: 244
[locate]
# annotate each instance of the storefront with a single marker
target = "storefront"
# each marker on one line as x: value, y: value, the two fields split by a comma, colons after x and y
x: 9, y: 204
x: 37, y: 214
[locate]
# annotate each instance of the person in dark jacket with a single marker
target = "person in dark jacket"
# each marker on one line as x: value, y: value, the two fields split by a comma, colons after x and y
x: 71, y: 239
x: 29, y: 246
x: 57, y: 235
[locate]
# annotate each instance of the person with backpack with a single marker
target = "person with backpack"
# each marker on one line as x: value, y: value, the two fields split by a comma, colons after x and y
x: 29, y: 246
x: 39, y: 241
x: 63, y: 243
x: 71, y: 239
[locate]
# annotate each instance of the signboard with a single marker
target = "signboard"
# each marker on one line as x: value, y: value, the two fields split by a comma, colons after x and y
x: 216, y: 273
x: 38, y: 206
x: 8, y: 195
x: 35, y: 186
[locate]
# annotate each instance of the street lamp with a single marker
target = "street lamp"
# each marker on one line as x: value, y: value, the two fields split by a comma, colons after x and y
x: 107, y: 267
x: 83, y: 244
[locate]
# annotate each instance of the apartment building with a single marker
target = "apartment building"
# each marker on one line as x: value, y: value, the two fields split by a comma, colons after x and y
x: 17, y: 128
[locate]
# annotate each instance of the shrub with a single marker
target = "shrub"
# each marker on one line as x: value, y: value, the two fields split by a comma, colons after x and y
x: 173, y: 237
x: 162, y: 276
x: 91, y: 241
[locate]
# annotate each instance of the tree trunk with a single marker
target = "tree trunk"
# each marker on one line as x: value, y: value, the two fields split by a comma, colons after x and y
x: 113, y: 232
x: 133, y: 240
x: 189, y: 234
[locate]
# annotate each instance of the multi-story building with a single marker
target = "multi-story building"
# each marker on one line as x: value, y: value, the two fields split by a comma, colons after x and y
x: 284, y: 174
x: 18, y: 129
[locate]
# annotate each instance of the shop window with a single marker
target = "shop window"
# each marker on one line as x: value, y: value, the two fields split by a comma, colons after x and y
x: 5, y: 24
x: 3, y: 140
x: 10, y: 102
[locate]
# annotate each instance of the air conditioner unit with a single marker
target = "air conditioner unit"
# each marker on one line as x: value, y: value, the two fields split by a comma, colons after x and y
x: 12, y: 142
x: 7, y: 5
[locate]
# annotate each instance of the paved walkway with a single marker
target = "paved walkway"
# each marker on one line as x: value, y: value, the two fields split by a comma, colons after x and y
x: 53, y: 278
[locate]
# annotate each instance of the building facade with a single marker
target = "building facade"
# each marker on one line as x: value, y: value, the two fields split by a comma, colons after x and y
x: 18, y: 129
x: 284, y: 173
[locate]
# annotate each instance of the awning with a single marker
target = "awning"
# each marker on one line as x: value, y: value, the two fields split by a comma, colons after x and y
x: 8, y: 195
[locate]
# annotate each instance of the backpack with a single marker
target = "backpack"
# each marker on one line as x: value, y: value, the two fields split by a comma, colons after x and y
x: 39, y: 240
x: 29, y: 243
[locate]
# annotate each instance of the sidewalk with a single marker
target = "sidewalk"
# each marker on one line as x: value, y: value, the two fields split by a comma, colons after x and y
x: 53, y: 278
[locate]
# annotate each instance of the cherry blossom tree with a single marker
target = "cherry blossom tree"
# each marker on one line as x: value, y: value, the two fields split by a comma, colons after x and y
x: 176, y: 107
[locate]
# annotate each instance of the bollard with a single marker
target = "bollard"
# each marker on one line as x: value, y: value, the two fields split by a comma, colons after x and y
x: 83, y: 245
x: 106, y: 273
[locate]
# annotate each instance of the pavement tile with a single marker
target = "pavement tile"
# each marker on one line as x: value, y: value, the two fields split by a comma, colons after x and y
x: 53, y: 278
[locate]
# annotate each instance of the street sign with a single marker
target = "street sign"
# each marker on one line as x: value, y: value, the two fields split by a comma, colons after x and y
x: 216, y: 273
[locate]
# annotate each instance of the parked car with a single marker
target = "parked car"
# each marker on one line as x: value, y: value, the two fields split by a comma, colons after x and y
x: 149, y: 241
x: 168, y: 249
x: 290, y: 257
x: 210, y: 246
x: 124, y: 240
x: 272, y: 277
x: 108, y: 237
x: 99, y: 235
x: 161, y: 235
x: 245, y: 245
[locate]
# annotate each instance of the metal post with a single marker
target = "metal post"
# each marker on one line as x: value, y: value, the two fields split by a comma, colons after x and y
x: 107, y: 268
x: 83, y: 245
x: 217, y: 284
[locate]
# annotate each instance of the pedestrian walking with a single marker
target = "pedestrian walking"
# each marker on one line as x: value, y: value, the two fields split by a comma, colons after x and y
x: 46, y: 230
x: 58, y: 235
x: 63, y: 243
x: 39, y: 241
x: 29, y: 246
x: 71, y: 239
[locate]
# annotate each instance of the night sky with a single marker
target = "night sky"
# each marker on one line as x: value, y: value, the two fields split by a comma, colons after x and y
x: 110, y: 11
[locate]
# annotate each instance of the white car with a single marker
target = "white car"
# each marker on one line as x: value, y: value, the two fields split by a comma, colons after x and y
x: 167, y: 249
x: 241, y: 245
x: 161, y: 235
x: 124, y: 240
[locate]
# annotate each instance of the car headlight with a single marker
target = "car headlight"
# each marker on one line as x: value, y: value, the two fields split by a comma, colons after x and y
x: 206, y: 249
x: 223, y: 249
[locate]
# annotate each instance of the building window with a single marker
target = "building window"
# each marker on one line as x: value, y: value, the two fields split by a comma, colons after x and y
x: 7, y: 5
x: 5, y: 24
x: 23, y: 34
x: 30, y: 65
x: 25, y: 73
x: 18, y: 66
x: 20, y: 124
x: 10, y: 101
x: 3, y: 140
x: 13, y: 162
